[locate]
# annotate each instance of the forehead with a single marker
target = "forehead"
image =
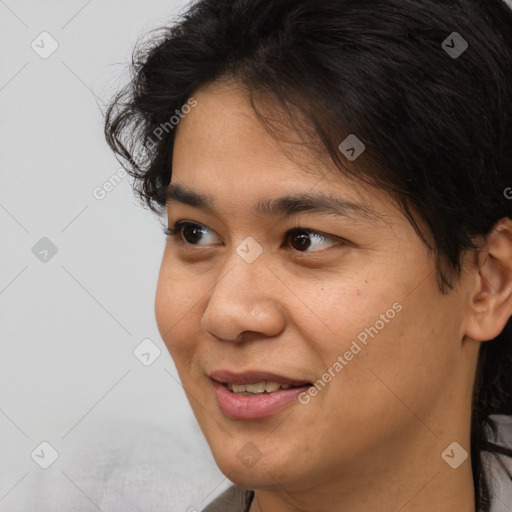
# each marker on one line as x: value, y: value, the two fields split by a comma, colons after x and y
x: 222, y: 150
x: 224, y: 128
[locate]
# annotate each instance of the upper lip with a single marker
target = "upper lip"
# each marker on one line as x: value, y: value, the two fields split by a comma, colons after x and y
x: 252, y: 377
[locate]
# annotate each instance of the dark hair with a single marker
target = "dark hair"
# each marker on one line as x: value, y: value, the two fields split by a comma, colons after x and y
x: 437, y: 125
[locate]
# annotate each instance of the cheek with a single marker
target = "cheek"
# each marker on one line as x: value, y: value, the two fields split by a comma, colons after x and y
x: 176, y: 306
x: 398, y: 348
x: 343, y: 311
x: 374, y: 322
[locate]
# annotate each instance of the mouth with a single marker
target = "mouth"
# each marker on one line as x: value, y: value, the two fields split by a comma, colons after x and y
x: 254, y: 395
x: 256, y: 382
x: 259, y: 388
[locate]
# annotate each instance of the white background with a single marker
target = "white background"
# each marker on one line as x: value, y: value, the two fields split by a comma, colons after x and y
x: 125, y: 434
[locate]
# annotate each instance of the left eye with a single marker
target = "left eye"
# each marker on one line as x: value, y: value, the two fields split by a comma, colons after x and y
x: 300, y: 239
x: 303, y: 239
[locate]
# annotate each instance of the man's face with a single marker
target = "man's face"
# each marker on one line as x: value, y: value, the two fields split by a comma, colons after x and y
x: 349, y: 298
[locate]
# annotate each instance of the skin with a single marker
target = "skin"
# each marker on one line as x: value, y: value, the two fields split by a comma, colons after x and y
x: 372, y: 438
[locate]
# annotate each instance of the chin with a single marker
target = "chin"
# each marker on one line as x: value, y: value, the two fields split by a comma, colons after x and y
x: 257, y: 474
x: 252, y: 480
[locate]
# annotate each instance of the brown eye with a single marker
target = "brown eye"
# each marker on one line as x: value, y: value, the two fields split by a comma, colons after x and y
x: 189, y: 232
x: 301, y: 239
x: 192, y: 233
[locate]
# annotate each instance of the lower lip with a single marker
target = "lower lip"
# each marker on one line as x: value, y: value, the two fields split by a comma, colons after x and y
x: 241, y: 407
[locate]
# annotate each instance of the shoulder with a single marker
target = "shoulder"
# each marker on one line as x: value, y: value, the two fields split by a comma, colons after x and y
x: 233, y: 499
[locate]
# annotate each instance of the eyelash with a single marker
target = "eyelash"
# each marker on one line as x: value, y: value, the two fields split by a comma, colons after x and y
x: 176, y: 231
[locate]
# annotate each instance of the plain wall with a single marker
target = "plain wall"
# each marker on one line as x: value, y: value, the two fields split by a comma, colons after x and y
x: 124, y: 432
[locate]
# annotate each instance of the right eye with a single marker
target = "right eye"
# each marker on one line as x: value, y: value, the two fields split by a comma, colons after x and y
x: 189, y: 233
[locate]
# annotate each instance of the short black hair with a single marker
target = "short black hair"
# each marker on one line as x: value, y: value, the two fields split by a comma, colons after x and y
x: 426, y: 85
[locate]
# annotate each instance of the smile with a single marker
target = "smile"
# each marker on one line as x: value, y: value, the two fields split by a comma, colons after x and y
x: 258, y: 388
x: 254, y: 395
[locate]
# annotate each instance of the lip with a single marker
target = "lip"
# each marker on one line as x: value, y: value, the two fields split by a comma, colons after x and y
x: 252, y: 377
x: 240, y: 407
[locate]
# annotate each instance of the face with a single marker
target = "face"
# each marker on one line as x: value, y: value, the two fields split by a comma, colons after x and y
x: 341, y: 294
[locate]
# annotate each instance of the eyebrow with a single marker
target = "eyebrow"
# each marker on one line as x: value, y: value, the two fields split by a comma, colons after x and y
x: 285, y: 206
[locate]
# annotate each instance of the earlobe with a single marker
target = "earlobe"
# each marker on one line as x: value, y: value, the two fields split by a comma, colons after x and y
x: 491, y: 301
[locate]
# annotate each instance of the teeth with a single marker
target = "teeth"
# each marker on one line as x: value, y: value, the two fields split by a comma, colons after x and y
x: 255, y: 388
x: 270, y: 387
x: 258, y: 388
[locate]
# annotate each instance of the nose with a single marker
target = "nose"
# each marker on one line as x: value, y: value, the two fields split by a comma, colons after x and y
x: 244, y: 300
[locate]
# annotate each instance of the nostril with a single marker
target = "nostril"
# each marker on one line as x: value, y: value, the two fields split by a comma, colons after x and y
x: 243, y: 336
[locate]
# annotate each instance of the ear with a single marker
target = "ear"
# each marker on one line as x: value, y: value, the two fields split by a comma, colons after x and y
x: 491, y: 299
